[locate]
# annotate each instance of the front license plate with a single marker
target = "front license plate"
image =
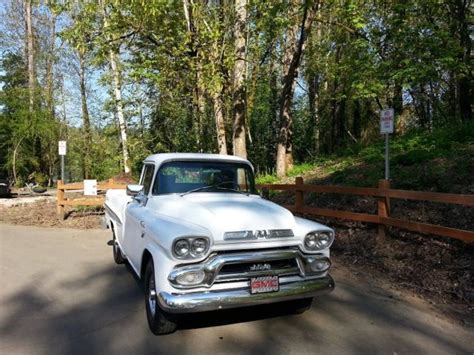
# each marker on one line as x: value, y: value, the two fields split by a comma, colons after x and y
x: 263, y: 284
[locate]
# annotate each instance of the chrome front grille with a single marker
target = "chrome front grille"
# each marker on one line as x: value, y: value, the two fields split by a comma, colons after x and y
x: 244, y: 271
x: 230, y: 266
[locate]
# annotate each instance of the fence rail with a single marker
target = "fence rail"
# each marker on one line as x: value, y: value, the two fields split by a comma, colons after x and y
x: 62, y: 200
x: 383, y: 194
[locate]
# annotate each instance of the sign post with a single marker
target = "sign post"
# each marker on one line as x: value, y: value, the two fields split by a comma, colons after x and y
x: 386, y: 128
x: 62, y: 153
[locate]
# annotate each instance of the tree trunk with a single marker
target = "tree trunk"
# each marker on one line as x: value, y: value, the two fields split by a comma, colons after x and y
x: 51, y: 149
x: 397, y: 100
x: 15, y: 154
x: 117, y: 89
x: 220, y: 125
x: 50, y: 68
x: 30, y: 56
x: 465, y: 81
x: 199, y: 100
x: 239, y: 97
x: 356, y: 123
x: 200, y: 107
x: 341, y: 122
x: 85, y: 117
x: 291, y: 61
x: 313, y: 100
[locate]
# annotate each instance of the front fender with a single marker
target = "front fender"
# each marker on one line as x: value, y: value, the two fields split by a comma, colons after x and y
x: 304, y: 226
x: 161, y: 231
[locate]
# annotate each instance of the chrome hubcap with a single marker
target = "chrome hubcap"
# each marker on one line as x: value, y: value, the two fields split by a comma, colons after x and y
x: 152, y: 295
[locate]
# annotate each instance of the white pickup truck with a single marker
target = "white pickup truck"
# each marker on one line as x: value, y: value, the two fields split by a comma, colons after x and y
x: 201, y: 238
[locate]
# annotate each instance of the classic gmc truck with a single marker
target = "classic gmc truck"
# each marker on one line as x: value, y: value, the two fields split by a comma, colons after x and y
x: 201, y: 238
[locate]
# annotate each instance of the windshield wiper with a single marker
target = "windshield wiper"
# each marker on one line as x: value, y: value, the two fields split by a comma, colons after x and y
x: 216, y: 186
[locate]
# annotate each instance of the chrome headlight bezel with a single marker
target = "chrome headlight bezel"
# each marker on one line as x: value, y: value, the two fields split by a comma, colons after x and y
x: 318, y: 240
x: 193, y: 251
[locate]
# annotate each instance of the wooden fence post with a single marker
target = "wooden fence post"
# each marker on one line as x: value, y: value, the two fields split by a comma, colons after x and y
x: 60, y: 199
x: 299, y: 194
x: 383, y: 207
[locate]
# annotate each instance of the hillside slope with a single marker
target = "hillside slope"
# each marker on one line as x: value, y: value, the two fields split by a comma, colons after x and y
x: 443, y: 161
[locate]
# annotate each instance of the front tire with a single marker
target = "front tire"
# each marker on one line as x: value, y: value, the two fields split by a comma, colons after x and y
x: 117, y: 252
x: 159, y: 321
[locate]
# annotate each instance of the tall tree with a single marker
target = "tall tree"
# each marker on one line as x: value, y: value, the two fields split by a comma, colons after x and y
x: 295, y: 44
x: 114, y: 61
x: 86, y: 123
x: 30, y: 54
x: 238, y: 110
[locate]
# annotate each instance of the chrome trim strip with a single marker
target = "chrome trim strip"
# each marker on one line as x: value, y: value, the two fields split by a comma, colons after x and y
x: 216, y: 300
x: 112, y: 214
x: 257, y: 234
x: 248, y: 274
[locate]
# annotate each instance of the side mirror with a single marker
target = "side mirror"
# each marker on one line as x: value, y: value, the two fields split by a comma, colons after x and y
x: 134, y: 190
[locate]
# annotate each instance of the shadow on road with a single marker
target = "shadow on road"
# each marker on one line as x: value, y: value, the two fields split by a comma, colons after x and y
x: 103, y: 312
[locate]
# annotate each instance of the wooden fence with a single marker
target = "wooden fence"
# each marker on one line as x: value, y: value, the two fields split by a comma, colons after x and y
x: 98, y: 200
x: 383, y: 194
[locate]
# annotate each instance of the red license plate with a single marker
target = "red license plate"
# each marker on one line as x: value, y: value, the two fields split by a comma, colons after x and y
x: 263, y: 284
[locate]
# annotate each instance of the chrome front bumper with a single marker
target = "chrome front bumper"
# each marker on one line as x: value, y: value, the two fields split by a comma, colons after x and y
x: 224, y: 299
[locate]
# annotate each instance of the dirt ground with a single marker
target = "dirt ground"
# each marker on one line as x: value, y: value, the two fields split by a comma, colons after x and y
x: 44, y: 214
x: 438, y: 268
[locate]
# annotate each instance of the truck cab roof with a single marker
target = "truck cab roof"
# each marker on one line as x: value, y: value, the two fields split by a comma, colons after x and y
x: 161, y: 158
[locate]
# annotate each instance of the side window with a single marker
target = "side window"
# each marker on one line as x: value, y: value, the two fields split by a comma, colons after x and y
x: 147, y: 178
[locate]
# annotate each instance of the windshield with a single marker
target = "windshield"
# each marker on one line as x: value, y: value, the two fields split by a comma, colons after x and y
x: 209, y: 176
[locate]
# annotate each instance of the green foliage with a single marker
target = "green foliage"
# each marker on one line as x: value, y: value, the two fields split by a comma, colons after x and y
x: 301, y: 169
x: 441, y: 161
x: 359, y: 57
x: 266, y: 179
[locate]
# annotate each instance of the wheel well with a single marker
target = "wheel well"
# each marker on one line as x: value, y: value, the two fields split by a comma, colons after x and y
x: 145, y: 258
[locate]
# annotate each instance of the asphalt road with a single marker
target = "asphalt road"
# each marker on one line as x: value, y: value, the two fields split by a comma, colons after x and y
x: 61, y: 293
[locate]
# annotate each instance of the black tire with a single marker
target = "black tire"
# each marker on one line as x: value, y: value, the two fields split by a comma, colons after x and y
x: 159, y: 321
x: 301, y: 306
x: 117, y: 252
x: 39, y: 189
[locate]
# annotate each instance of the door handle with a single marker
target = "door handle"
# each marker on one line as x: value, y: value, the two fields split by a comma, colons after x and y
x: 142, y: 224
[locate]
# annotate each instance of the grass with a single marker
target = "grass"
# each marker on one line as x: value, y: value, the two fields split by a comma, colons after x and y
x: 442, y: 160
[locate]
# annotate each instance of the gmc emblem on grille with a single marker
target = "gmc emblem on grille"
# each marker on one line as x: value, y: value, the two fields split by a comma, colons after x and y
x: 261, y: 233
x: 260, y: 267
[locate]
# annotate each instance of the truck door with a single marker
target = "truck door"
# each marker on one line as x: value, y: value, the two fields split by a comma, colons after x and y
x: 134, y: 219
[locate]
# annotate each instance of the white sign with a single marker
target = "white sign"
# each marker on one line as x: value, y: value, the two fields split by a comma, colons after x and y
x: 62, y: 147
x: 90, y: 187
x: 386, y: 121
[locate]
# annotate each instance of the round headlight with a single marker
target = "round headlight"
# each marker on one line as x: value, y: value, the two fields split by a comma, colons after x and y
x: 318, y: 240
x: 198, y: 246
x: 181, y: 248
x: 310, y: 241
x: 191, y: 278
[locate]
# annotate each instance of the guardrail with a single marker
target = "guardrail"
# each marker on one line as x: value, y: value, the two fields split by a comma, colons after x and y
x: 62, y: 200
x: 382, y: 218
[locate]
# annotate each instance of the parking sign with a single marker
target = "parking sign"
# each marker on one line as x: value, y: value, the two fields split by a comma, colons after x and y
x: 386, y: 121
x: 62, y: 147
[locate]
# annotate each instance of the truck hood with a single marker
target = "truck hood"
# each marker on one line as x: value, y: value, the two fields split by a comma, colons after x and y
x: 224, y: 212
